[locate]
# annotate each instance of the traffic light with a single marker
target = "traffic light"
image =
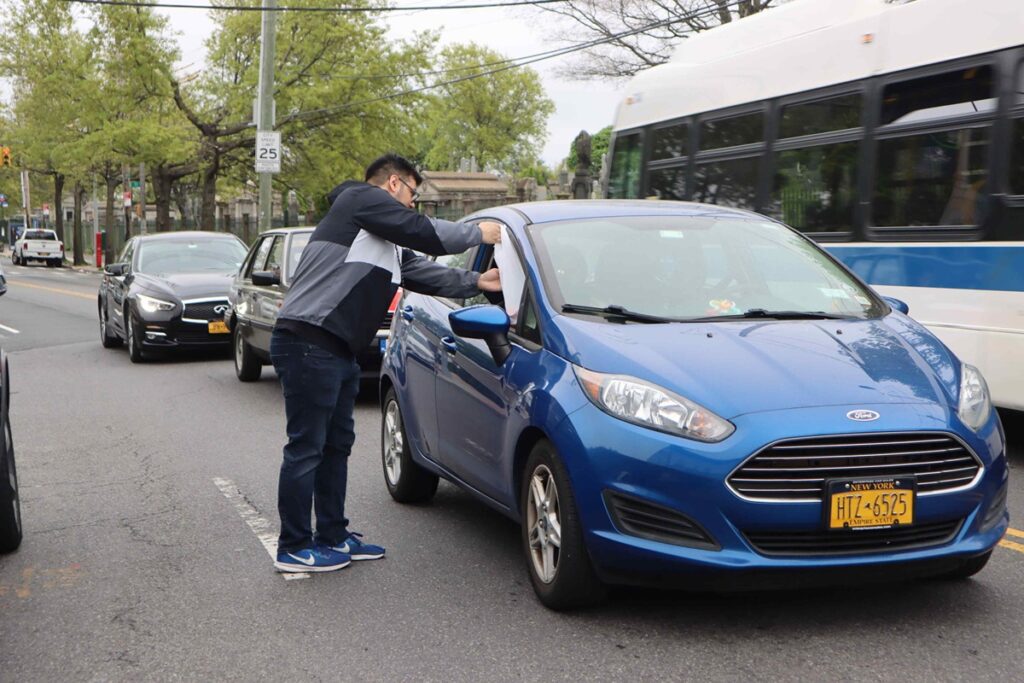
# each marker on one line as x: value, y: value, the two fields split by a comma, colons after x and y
x: 5, y: 156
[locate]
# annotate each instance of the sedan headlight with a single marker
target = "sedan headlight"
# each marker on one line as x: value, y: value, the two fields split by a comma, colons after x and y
x: 975, y: 404
x: 151, y: 305
x: 649, y: 405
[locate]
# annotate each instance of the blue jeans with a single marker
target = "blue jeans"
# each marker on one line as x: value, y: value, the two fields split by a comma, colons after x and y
x: 319, y: 399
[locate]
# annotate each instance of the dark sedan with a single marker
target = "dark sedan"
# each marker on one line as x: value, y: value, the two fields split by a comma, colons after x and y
x: 169, y: 291
x: 258, y: 292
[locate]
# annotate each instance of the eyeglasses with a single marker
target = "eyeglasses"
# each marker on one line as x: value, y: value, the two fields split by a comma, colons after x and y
x: 415, y: 193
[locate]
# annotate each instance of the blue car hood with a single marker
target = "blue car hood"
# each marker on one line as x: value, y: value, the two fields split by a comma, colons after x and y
x: 734, y: 368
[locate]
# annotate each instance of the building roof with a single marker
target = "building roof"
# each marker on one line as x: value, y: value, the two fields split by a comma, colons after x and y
x: 444, y: 182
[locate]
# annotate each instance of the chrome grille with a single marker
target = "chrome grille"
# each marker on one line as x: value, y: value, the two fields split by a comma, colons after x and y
x: 852, y: 542
x: 203, y: 310
x: 796, y: 469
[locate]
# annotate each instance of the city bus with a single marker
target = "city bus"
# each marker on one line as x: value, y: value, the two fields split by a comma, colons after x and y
x: 890, y: 132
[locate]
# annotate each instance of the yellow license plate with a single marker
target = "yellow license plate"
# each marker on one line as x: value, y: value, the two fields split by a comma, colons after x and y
x: 218, y: 327
x: 871, y: 503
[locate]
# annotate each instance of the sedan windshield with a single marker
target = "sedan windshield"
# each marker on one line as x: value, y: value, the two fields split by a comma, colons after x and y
x: 175, y: 257
x: 684, y: 268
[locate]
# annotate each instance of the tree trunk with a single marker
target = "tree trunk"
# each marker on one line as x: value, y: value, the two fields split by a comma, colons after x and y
x: 182, y: 200
x: 110, y: 249
x: 208, y: 212
x: 79, y: 251
x: 162, y: 192
x: 58, y: 208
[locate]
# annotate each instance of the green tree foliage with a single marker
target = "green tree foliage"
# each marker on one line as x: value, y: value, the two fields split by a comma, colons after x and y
x: 497, y: 118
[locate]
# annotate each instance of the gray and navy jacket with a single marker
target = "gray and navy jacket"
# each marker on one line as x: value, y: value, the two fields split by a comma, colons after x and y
x: 355, y: 260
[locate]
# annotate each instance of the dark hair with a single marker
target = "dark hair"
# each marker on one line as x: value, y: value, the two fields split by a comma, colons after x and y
x: 390, y: 164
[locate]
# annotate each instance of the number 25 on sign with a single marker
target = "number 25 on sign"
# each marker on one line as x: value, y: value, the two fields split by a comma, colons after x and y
x: 268, y: 152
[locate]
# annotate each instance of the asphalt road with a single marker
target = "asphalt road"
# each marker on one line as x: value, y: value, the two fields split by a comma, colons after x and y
x: 142, y: 486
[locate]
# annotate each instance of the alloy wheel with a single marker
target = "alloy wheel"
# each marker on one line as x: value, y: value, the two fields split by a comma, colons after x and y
x: 544, y: 524
x: 393, y: 443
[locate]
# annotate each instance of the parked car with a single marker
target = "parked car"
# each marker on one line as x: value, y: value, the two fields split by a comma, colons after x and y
x: 689, y: 395
x: 169, y: 291
x: 257, y: 293
x: 10, y: 502
x: 38, y: 245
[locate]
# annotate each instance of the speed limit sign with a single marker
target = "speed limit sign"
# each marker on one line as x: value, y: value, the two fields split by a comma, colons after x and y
x: 268, y: 152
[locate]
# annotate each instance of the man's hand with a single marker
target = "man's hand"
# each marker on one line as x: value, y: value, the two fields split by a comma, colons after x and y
x: 491, y: 231
x: 489, y: 281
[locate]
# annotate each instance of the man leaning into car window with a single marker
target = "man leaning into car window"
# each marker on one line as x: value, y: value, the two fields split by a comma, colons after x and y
x: 347, y: 275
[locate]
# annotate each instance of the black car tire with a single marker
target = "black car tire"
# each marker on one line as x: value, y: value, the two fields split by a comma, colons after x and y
x: 132, y: 337
x: 10, y: 501
x: 57, y: 263
x: 109, y: 341
x: 550, y: 520
x: 14, y: 258
x: 968, y: 568
x: 248, y: 367
x: 407, y: 482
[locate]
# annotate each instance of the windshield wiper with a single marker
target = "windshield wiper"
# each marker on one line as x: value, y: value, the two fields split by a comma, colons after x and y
x: 762, y: 313
x: 616, y: 311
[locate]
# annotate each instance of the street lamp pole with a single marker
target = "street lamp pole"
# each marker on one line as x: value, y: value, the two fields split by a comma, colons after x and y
x: 265, y: 107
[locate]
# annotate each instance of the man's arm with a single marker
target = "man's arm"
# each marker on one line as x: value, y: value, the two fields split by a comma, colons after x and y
x: 424, y: 276
x: 380, y: 215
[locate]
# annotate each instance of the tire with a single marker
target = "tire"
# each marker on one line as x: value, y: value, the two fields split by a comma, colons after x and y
x: 968, y: 568
x: 132, y: 336
x: 10, y: 501
x: 57, y: 263
x: 556, y: 557
x: 407, y: 482
x: 14, y: 258
x: 109, y: 341
x: 248, y: 367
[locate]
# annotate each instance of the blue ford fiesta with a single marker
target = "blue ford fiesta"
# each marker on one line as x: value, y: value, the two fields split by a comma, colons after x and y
x: 685, y: 395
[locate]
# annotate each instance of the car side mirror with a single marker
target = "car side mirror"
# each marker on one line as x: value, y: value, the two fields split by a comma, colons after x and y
x: 897, y: 304
x: 489, y: 323
x: 116, y: 269
x: 265, y: 278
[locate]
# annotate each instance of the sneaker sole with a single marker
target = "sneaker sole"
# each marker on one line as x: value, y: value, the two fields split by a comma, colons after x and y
x: 367, y: 557
x: 303, y: 568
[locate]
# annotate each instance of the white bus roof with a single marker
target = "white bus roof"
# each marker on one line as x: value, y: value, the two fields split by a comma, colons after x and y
x: 810, y: 44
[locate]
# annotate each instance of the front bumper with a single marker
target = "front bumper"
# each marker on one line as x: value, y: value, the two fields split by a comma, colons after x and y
x: 179, y: 334
x: 605, y: 455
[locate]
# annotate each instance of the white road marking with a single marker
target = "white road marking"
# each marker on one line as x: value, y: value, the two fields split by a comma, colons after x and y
x: 260, y: 526
x: 9, y: 329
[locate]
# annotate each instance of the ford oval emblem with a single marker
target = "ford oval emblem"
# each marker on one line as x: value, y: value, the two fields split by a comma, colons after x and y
x: 863, y: 415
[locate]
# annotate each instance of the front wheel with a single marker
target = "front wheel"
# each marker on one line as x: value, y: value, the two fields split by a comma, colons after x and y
x: 10, y: 502
x: 108, y: 340
x: 248, y: 367
x: 407, y: 482
x: 552, y: 535
x: 14, y: 258
x: 134, y: 345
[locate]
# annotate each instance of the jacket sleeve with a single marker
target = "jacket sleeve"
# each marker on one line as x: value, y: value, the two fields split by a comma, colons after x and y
x: 382, y: 215
x: 421, y: 275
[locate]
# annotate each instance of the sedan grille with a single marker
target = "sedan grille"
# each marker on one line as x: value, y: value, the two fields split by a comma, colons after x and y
x: 647, y: 520
x: 796, y: 469
x: 204, y: 310
x: 848, y: 542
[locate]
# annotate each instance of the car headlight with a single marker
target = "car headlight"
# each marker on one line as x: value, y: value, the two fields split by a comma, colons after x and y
x: 975, y: 404
x: 151, y: 305
x: 649, y: 405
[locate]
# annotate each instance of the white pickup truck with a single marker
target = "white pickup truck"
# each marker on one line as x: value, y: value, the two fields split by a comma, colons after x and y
x: 38, y: 245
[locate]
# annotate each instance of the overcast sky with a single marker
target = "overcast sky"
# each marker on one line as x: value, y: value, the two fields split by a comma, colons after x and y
x: 579, y: 106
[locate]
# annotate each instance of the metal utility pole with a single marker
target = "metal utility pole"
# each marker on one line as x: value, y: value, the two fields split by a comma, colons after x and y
x: 268, y: 154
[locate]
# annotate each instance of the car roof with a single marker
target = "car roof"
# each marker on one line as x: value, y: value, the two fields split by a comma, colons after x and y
x: 548, y: 211
x: 184, y: 235
x: 288, y: 231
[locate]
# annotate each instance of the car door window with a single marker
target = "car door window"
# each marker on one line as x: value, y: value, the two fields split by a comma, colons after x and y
x: 462, y: 260
x: 275, y: 260
x: 528, y: 326
x: 261, y: 256
x: 299, y: 242
x: 128, y: 253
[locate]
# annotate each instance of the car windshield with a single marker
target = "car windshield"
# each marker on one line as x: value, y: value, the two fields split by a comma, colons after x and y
x: 174, y: 257
x: 40, y: 235
x: 649, y: 268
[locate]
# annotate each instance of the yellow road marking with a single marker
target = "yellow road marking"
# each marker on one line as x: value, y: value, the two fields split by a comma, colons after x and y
x: 1015, y: 532
x: 90, y: 297
x: 1019, y: 547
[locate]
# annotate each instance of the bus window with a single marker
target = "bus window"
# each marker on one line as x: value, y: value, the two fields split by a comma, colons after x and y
x: 821, y: 116
x: 932, y: 179
x: 667, y: 183
x: 735, y: 130
x: 816, y: 187
x: 624, y: 178
x: 670, y: 142
x: 1017, y: 158
x: 727, y: 183
x: 955, y: 93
